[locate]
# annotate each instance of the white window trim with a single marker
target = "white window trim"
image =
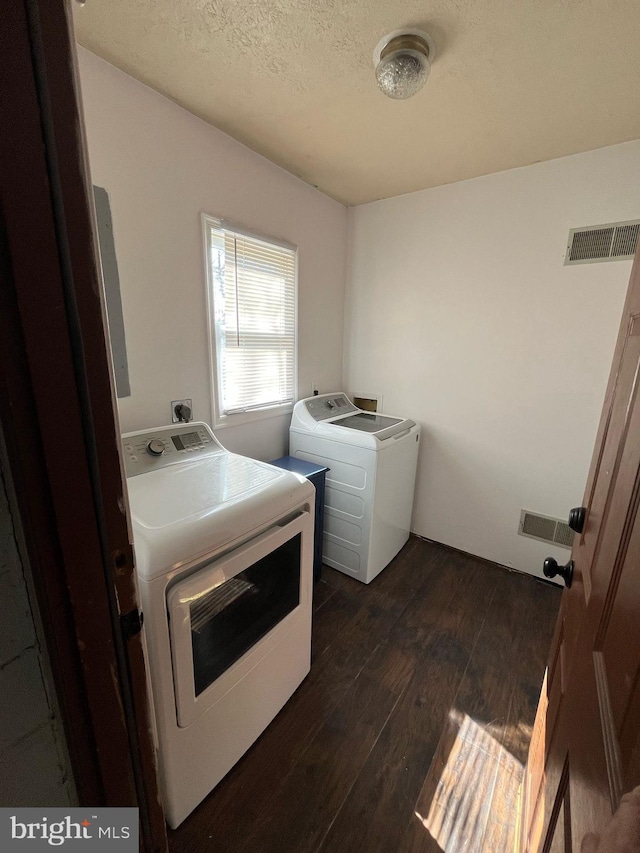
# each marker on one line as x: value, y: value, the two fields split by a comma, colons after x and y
x: 219, y: 420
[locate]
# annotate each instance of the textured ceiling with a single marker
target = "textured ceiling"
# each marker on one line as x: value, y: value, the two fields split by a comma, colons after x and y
x: 514, y: 81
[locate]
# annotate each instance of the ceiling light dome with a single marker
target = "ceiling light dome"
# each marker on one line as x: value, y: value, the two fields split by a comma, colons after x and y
x: 402, y: 62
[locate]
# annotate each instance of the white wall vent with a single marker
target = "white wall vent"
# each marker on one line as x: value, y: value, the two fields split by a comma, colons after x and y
x: 547, y: 529
x: 614, y: 242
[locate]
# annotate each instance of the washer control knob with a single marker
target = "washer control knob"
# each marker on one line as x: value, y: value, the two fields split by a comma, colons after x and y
x: 155, y: 447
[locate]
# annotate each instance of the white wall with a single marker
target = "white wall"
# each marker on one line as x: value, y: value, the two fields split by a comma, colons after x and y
x: 461, y: 313
x: 162, y: 167
x: 459, y: 310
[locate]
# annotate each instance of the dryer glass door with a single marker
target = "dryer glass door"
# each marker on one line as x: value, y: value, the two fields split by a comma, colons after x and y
x: 222, y: 616
x: 230, y: 618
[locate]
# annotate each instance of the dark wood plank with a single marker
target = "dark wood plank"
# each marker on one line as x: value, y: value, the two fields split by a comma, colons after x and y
x: 439, y: 630
x: 307, y: 803
x: 331, y: 620
x: 322, y: 592
x: 472, y: 775
x: 398, y: 583
x: 527, y: 670
x: 500, y: 828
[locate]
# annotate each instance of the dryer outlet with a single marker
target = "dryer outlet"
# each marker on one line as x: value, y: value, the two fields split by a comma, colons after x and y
x: 175, y: 412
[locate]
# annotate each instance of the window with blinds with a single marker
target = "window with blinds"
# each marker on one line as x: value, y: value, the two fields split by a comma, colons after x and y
x: 252, y: 298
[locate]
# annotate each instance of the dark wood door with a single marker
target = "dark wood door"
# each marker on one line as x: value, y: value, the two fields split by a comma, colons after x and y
x: 585, y: 748
x: 59, y: 421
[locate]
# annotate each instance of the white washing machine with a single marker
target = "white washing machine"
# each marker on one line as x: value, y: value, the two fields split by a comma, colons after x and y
x: 369, y: 488
x: 224, y: 560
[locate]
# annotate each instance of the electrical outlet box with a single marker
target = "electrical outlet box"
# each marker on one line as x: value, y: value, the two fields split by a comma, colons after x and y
x: 174, y: 418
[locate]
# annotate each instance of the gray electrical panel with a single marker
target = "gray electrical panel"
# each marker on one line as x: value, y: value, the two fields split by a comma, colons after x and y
x: 112, y: 292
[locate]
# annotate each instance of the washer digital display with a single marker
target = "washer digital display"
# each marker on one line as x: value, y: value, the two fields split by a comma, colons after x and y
x: 189, y: 439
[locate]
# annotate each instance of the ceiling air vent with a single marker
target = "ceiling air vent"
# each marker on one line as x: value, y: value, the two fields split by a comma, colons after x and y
x: 614, y: 242
x: 547, y: 529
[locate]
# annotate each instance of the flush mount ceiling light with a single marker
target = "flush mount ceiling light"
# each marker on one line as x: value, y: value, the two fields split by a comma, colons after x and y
x: 402, y: 62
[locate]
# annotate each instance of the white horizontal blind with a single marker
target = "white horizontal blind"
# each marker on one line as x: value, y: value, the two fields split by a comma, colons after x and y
x: 254, y: 284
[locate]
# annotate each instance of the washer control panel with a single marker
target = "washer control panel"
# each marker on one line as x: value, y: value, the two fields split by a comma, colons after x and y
x: 151, y: 449
x: 326, y: 406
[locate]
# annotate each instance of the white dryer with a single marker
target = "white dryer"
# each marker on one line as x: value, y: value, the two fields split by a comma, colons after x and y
x: 224, y: 561
x: 372, y: 461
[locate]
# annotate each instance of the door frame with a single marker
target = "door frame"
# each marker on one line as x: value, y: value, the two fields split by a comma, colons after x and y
x: 57, y: 407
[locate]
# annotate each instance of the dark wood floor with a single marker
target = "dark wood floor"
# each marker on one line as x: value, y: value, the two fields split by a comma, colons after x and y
x: 410, y: 732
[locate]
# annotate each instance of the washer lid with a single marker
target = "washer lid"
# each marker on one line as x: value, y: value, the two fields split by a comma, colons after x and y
x: 334, y: 417
x: 368, y: 422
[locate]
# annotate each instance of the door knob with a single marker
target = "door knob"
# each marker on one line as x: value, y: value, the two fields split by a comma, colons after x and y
x: 577, y: 518
x: 551, y: 569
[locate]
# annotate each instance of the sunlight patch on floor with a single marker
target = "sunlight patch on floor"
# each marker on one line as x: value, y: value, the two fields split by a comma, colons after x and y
x: 470, y: 795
